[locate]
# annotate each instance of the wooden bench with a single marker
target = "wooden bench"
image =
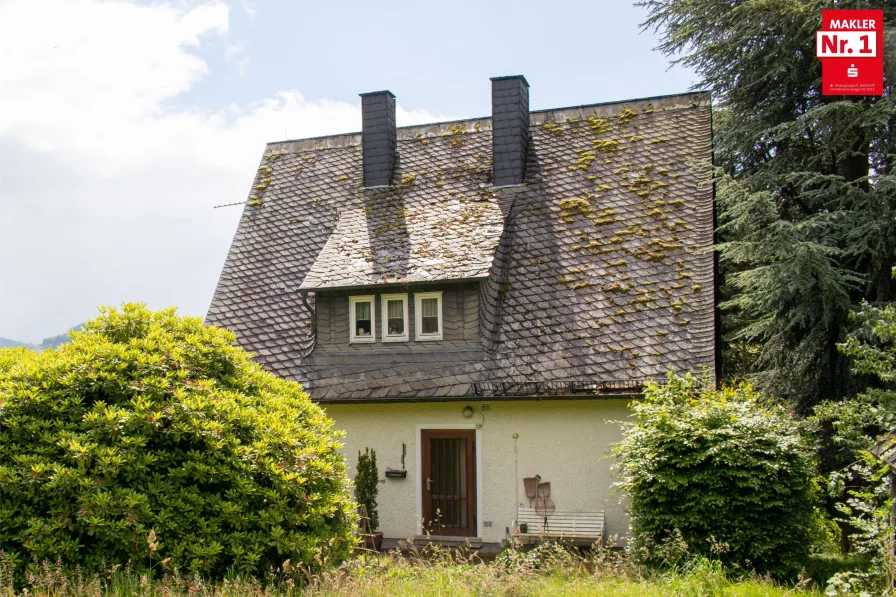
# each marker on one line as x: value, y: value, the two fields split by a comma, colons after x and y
x: 577, y: 528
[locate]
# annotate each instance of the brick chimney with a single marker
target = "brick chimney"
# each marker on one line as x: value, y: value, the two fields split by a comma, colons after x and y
x: 378, y: 137
x: 510, y: 129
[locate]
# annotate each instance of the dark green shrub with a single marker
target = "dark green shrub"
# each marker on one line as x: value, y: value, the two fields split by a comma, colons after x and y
x: 821, y: 567
x: 367, y: 486
x: 721, y: 467
x: 149, y: 424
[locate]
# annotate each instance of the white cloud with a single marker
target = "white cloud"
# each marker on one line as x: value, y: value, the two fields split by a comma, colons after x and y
x: 235, y: 54
x: 233, y: 49
x: 251, y: 10
x: 106, y: 190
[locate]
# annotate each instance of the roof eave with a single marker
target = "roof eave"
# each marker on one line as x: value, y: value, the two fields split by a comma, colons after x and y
x: 317, y: 288
x: 529, y: 398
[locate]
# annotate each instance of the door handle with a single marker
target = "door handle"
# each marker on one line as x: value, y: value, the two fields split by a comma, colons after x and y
x: 428, y: 484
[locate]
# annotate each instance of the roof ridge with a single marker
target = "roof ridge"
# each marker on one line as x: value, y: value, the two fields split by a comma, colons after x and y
x: 483, y: 123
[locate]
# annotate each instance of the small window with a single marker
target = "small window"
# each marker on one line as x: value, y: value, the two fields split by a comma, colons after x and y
x: 361, y: 316
x: 395, y: 317
x: 428, y: 308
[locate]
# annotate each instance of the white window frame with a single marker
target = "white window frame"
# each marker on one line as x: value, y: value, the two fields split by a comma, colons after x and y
x: 384, y: 306
x: 418, y: 316
x: 353, y: 338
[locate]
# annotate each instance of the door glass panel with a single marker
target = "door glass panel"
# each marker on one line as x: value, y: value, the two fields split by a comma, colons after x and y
x: 449, y: 485
x: 462, y: 485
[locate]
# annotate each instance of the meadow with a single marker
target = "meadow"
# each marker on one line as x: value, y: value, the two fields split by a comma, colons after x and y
x: 424, y: 573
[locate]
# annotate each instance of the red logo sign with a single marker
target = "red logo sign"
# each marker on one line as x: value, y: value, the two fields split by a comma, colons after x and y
x: 850, y: 46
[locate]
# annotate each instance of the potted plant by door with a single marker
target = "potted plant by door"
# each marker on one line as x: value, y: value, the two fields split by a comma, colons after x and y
x: 366, y: 488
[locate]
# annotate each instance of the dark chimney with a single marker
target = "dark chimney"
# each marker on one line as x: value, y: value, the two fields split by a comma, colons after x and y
x: 510, y: 129
x: 378, y: 137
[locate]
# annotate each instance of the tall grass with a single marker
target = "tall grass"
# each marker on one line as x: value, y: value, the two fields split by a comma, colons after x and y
x: 547, y: 570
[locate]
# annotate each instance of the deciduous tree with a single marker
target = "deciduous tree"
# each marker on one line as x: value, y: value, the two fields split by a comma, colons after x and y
x: 153, y: 438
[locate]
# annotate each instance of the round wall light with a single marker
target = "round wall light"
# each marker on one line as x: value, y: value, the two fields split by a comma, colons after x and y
x: 468, y: 412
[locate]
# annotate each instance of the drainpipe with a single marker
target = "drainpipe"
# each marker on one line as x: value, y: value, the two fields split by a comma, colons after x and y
x: 313, y: 312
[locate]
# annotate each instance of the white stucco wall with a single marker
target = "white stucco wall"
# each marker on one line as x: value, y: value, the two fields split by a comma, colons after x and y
x: 566, y: 442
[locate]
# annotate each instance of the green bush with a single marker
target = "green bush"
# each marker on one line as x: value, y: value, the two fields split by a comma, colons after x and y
x: 721, y: 470
x: 154, y: 440
x: 821, y: 567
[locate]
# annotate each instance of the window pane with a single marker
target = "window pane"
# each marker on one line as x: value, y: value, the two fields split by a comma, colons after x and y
x: 429, y: 308
x: 395, y: 322
x: 362, y: 319
x: 396, y: 309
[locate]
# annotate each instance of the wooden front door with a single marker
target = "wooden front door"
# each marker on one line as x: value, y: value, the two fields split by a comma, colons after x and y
x: 449, y: 481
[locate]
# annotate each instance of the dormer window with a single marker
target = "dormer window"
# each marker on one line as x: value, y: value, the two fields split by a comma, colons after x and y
x: 395, y: 323
x: 361, y: 315
x: 428, y: 309
x: 395, y: 317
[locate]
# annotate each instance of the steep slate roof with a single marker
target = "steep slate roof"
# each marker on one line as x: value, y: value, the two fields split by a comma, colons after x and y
x: 598, y: 267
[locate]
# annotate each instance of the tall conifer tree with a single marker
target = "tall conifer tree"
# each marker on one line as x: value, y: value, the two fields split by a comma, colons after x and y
x: 806, y: 190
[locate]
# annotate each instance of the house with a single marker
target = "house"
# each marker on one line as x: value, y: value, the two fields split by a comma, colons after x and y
x: 479, y: 300
x: 884, y: 450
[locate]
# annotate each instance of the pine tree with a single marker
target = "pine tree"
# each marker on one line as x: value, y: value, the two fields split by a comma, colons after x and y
x: 366, y: 487
x: 806, y: 191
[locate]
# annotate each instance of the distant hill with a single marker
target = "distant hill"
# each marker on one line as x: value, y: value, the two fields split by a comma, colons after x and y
x: 51, y: 342
x: 54, y: 341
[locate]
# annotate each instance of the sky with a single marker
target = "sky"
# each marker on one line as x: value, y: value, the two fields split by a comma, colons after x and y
x: 123, y: 123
